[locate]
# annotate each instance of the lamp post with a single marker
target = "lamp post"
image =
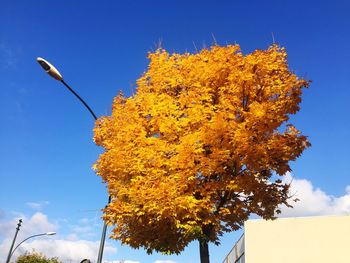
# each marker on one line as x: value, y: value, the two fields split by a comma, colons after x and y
x: 37, y: 235
x: 53, y: 72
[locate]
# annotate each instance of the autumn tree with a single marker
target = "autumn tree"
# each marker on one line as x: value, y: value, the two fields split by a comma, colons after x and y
x: 200, y: 146
x: 35, y: 257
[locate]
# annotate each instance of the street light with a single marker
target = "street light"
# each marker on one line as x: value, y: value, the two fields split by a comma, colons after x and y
x: 37, y: 235
x: 53, y: 72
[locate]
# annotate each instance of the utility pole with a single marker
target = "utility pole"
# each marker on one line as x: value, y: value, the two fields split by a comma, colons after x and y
x: 14, y: 240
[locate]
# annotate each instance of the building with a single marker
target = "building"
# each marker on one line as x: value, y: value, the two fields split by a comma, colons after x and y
x: 320, y: 239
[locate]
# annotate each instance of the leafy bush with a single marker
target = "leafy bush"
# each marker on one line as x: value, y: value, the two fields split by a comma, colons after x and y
x: 35, y: 257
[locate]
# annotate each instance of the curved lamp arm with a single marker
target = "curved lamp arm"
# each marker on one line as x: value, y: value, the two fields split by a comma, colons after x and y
x: 43, y: 234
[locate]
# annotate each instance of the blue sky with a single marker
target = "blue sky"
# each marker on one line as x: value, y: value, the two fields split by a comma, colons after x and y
x: 100, y: 47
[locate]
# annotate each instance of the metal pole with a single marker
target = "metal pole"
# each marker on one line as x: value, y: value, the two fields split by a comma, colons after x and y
x: 14, y: 240
x: 104, y: 229
x: 79, y: 98
x: 103, y: 238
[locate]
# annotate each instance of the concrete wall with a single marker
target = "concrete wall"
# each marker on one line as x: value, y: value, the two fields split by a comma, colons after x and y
x: 302, y: 240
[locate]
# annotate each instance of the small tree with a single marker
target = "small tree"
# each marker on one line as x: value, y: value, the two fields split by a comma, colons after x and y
x: 199, y: 147
x: 35, y: 257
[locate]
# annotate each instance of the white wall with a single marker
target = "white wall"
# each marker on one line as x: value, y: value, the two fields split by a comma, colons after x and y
x: 302, y: 240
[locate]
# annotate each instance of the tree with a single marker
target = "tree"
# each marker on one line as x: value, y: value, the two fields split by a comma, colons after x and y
x: 199, y: 147
x: 35, y: 257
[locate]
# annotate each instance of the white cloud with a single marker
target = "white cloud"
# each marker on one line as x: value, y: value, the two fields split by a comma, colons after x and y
x: 81, y: 229
x: 85, y: 220
x: 38, y: 223
x: 37, y: 205
x: 164, y: 261
x: 67, y: 249
x: 86, y: 227
x: 314, y: 201
x: 8, y: 55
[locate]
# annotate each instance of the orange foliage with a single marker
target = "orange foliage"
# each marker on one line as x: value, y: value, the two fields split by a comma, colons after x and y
x: 193, y: 152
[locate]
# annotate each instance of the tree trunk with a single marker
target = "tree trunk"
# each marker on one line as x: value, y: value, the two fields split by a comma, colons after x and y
x: 204, y: 251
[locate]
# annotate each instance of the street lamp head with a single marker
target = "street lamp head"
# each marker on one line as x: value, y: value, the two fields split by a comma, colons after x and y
x: 50, y: 233
x: 49, y: 68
